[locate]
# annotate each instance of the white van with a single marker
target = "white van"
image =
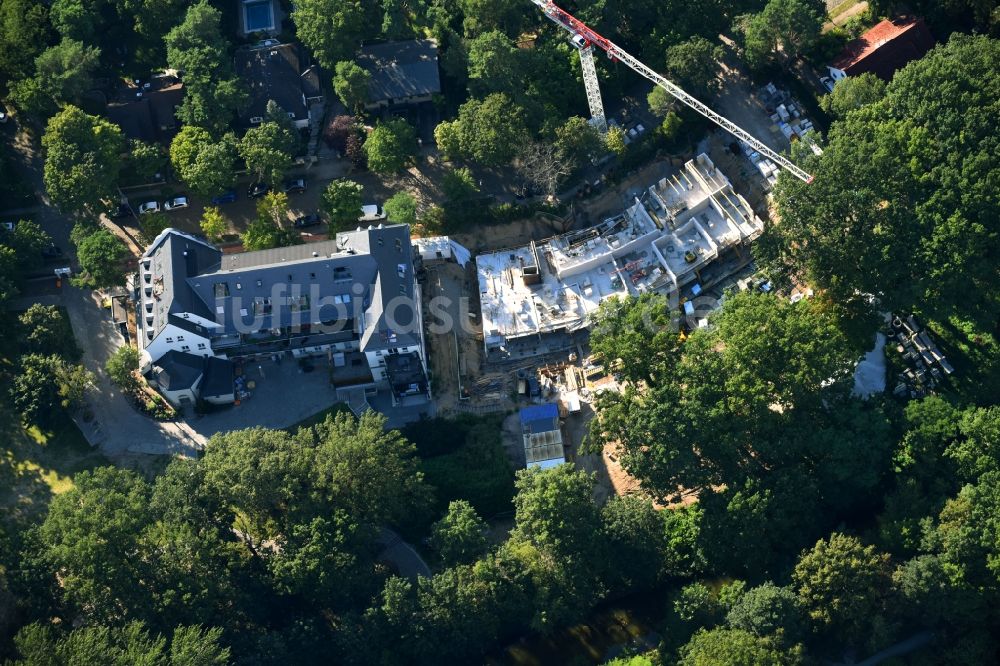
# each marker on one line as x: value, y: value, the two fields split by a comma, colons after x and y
x: 371, y: 213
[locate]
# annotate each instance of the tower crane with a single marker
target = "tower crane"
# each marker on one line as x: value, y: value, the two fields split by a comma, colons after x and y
x: 585, y: 39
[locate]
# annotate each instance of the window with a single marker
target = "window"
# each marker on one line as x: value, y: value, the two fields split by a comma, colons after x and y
x: 180, y: 338
x: 201, y: 345
x: 185, y: 348
x: 260, y: 283
x: 169, y: 340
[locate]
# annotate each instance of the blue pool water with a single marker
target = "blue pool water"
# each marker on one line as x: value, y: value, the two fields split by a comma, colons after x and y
x: 257, y: 16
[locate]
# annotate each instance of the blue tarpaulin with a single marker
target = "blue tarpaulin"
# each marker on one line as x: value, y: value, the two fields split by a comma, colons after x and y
x: 540, y: 418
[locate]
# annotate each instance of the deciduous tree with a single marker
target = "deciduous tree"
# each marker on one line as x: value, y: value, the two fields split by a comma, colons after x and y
x: 206, y: 166
x: 212, y: 93
x: 122, y: 366
x: 45, y: 331
x: 45, y: 384
x: 900, y: 204
x: 460, y: 536
x: 785, y: 27
x: 724, y: 389
x: 214, y: 224
x: 332, y: 29
x: 341, y: 202
x: 853, y: 93
x: 732, y: 646
x: 82, y: 160
x: 488, y: 131
x: 401, y: 207
x: 268, y: 148
x: 693, y: 65
x: 350, y: 82
x: 101, y: 255
x: 24, y: 33
x: 579, y: 143
x: 390, y: 146
x: 841, y: 584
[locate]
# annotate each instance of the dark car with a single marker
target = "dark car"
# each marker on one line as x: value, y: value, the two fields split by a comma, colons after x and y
x: 257, y: 190
x: 123, y: 210
x: 52, y: 252
x: 310, y: 220
x: 229, y: 196
x: 295, y: 186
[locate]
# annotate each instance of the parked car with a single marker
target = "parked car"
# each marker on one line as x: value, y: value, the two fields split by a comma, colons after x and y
x: 53, y: 251
x: 371, y: 213
x: 304, y: 221
x: 257, y: 190
x: 295, y: 186
x: 175, y: 203
x: 827, y: 82
x: 123, y: 210
x: 4, y: 116
x: 149, y: 207
x: 229, y: 196
x: 9, y: 226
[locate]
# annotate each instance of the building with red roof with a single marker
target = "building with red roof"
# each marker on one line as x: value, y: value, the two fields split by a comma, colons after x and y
x: 884, y: 49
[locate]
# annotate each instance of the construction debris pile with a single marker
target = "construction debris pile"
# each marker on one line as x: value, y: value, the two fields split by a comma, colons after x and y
x: 924, y: 364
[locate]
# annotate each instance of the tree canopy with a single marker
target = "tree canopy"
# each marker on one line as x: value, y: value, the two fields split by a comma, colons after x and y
x: 101, y: 255
x: 207, y: 166
x: 212, y: 93
x: 341, y: 202
x: 390, y: 146
x: 82, y: 160
x: 900, y: 207
x: 268, y: 149
x: 488, y: 131
x: 332, y: 29
x: 350, y: 82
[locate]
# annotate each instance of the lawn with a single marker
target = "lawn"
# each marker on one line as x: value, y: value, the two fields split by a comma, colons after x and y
x: 37, y: 463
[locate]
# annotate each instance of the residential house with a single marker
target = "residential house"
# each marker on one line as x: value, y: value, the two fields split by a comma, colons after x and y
x: 402, y: 73
x: 884, y: 49
x: 151, y: 113
x: 183, y: 378
x: 283, y: 73
x: 353, y: 299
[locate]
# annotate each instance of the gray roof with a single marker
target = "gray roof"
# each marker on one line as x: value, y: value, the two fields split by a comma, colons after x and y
x: 391, y: 320
x: 151, y: 117
x: 179, y: 370
x: 273, y: 72
x: 401, y: 69
x: 364, y: 274
x: 218, y: 377
x: 174, y: 255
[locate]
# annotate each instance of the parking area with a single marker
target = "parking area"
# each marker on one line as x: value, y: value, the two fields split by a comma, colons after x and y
x: 283, y: 393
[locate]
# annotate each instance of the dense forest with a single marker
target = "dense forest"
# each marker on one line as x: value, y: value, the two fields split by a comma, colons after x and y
x: 781, y: 520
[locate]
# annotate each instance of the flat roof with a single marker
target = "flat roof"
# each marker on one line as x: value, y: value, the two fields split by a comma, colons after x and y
x: 677, y: 225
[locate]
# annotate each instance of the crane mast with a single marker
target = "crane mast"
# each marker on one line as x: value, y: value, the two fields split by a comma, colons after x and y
x: 591, y: 38
x: 593, y: 88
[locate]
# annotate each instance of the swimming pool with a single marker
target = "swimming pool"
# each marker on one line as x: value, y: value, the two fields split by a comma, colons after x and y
x: 258, y: 16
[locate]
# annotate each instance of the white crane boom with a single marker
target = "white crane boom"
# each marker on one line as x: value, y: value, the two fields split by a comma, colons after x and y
x: 576, y: 27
